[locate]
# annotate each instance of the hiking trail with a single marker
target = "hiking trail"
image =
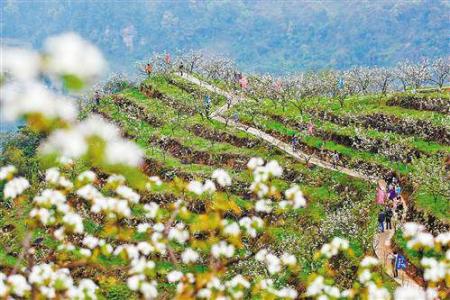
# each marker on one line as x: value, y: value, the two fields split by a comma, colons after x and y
x: 382, y: 241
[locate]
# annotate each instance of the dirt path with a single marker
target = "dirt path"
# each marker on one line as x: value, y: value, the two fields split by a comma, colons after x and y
x: 382, y: 241
x: 302, y: 156
x: 382, y: 245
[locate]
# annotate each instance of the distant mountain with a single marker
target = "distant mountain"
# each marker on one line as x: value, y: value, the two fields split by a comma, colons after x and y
x: 264, y: 36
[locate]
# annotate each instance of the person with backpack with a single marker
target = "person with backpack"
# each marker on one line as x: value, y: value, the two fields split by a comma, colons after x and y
x: 381, y: 219
x: 400, y: 263
x: 388, y: 217
x: 393, y: 257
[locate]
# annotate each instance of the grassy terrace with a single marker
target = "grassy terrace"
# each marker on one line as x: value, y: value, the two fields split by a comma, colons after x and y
x: 324, y: 190
x: 370, y: 104
x: 275, y: 119
x: 330, y: 194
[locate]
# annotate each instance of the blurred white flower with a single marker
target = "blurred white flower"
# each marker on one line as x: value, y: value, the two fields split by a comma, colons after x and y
x: 410, y: 229
x: 15, y: 187
x: 195, y: 187
x: 22, y: 98
x: 68, y: 142
x: 222, y: 249
x: 174, y: 276
x: 189, y: 256
x: 369, y: 261
x: 123, y: 152
x: 87, y: 176
x: 19, y: 285
x: 222, y: 177
x: 7, y: 171
x: 69, y: 54
x: 410, y: 293
x: 21, y: 63
x: 255, y: 162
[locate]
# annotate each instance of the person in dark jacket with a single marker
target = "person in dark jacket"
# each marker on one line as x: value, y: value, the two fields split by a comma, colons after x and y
x: 97, y: 98
x: 381, y: 219
x: 181, y: 68
x: 388, y: 217
x: 294, y: 142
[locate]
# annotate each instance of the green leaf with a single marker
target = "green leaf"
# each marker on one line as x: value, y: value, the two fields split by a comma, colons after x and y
x: 72, y: 82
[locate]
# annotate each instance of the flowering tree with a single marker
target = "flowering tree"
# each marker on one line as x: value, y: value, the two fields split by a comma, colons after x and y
x: 413, y: 74
x: 382, y: 79
x: 183, y: 248
x: 440, y: 71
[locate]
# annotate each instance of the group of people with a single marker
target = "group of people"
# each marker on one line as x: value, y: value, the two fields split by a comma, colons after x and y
x: 389, y: 197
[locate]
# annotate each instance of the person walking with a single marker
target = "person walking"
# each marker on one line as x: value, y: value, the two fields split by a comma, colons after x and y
x: 97, y: 98
x: 335, y: 159
x: 393, y: 257
x: 388, y: 217
x: 381, y: 192
x: 181, y: 68
x: 294, y: 143
x: 207, y: 104
x: 148, y: 69
x: 235, y: 117
x: 381, y: 219
x: 229, y: 102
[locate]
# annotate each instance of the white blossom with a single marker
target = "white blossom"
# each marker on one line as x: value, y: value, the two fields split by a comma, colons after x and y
x: 15, y: 187
x: 222, y: 177
x: 69, y: 54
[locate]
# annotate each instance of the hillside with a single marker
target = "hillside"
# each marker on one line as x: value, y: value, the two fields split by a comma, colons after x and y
x: 261, y: 36
x: 200, y: 181
x: 164, y: 115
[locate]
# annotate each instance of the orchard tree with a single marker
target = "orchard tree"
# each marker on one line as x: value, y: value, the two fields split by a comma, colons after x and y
x: 193, y: 60
x: 360, y: 78
x: 440, y: 71
x: 382, y: 79
x: 431, y: 176
x: 413, y: 74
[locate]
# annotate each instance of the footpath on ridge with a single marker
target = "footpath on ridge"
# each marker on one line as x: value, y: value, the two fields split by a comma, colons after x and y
x: 382, y: 241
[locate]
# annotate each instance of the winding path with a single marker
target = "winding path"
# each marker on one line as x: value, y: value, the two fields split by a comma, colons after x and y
x: 382, y: 241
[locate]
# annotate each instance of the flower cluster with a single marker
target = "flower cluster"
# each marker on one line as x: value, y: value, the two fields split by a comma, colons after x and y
x: 48, y: 281
x: 14, y: 186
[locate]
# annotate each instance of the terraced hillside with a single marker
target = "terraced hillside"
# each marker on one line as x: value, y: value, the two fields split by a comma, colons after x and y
x: 379, y: 136
x: 376, y: 137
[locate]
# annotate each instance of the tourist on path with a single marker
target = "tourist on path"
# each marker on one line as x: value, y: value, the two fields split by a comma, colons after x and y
x: 381, y: 192
x: 393, y: 257
x: 294, y: 143
x: 388, y: 216
x: 381, y: 219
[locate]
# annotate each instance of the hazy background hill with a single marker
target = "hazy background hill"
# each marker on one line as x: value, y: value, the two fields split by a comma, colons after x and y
x: 264, y: 36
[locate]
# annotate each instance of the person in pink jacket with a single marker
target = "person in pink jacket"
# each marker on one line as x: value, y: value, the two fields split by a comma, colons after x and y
x: 381, y: 192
